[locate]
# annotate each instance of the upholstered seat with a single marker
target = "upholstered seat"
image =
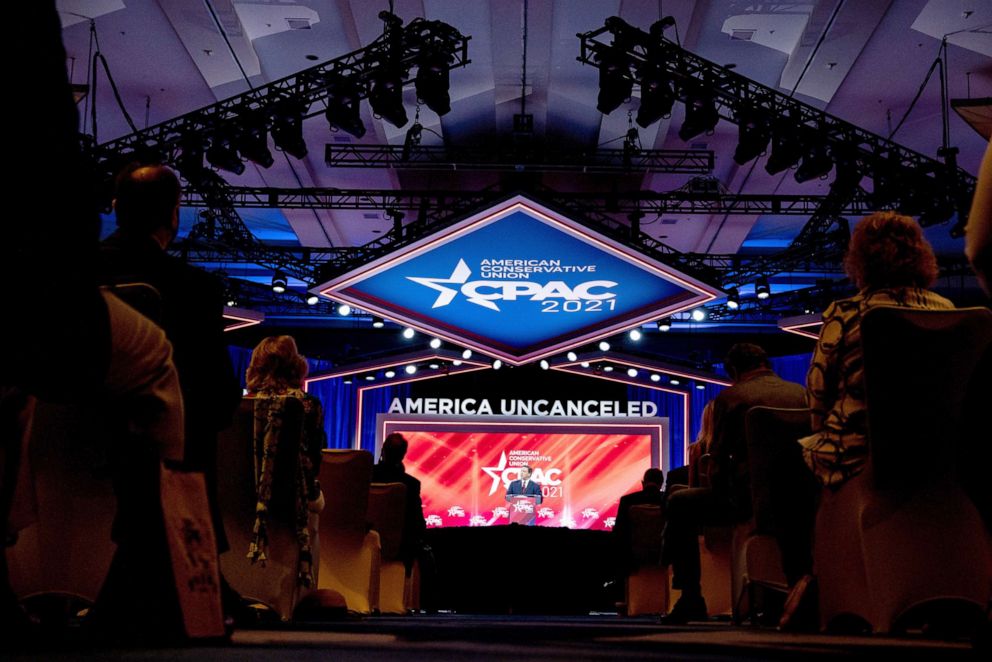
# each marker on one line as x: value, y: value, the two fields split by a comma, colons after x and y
x: 647, y: 583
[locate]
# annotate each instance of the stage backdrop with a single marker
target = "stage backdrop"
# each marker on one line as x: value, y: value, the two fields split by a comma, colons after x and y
x: 583, y: 467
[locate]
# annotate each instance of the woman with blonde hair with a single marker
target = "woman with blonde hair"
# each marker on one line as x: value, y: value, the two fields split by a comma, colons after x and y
x: 275, y: 377
x: 698, y: 473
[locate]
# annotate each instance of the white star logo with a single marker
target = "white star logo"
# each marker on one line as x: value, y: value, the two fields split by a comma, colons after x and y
x: 496, y: 473
x: 447, y: 294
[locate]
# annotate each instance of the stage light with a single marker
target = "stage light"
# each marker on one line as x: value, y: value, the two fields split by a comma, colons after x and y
x: 816, y: 163
x: 408, y: 333
x: 544, y: 364
x: 190, y: 161
x: 433, y: 366
x: 848, y: 169
x: 435, y: 343
x: 657, y: 95
x: 700, y: 387
x: 497, y: 364
x: 655, y: 377
x: 584, y: 364
x: 634, y: 334
x: 378, y: 322
x: 665, y: 324
x: 753, y: 135
x: 604, y: 346
x: 700, y: 116
x: 572, y: 356
x: 615, y: 84
x: 386, y: 97
x: 608, y: 368
x: 287, y: 131
x: 733, y: 298
x: 761, y: 288
x: 786, y: 149
x: 410, y: 369
x: 344, y: 310
x: 231, y: 302
x: 432, y: 81
x: 370, y: 378
x: 456, y: 362
x: 698, y: 315
x: 313, y: 299
x: 346, y: 380
x: 413, y: 136
x: 343, y: 110
x: 279, y: 282
x: 632, y: 372
x: 252, y: 143
x: 673, y: 381
x: 467, y: 354
x: 390, y: 374
x: 222, y: 154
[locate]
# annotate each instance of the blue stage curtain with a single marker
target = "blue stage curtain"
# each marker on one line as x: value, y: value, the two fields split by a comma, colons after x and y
x: 670, y: 407
x: 340, y: 402
x: 792, y: 368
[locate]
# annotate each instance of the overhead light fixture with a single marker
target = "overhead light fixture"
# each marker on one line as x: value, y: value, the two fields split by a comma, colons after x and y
x: 604, y: 346
x: 634, y: 334
x: 410, y: 369
x: 632, y: 372
x: 456, y: 362
x: 848, y: 169
x: 665, y: 324
x: 544, y: 364
x: 787, y: 148
x: 408, y: 333
x: 761, y: 288
x: 615, y: 83
x: 231, y: 302
x: 435, y: 343
x: 432, y: 81
x: 390, y: 374
x: 279, y: 282
x: 253, y: 143
x: 733, y: 298
x: 700, y: 387
x: 698, y: 314
x: 584, y: 364
x: 287, y: 130
x: 754, y: 132
x: 344, y: 310
x: 312, y: 299
x: 608, y: 368
x: 413, y: 137
x: 370, y: 378
x: 346, y: 380
x: 343, y: 110
x: 655, y: 377
x: 700, y: 116
x: 657, y: 95
x: 378, y: 322
x: 816, y: 163
x: 497, y: 364
x: 434, y: 366
x: 572, y: 356
x: 386, y: 97
x: 222, y: 154
x: 674, y: 381
x: 467, y: 354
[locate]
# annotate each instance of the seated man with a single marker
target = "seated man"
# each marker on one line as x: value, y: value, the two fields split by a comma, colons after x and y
x: 649, y: 494
x: 390, y: 469
x: 728, y: 499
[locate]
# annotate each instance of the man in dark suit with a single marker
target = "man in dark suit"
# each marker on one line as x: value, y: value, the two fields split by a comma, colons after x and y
x: 390, y: 469
x: 728, y: 500
x: 650, y: 494
x: 524, y: 486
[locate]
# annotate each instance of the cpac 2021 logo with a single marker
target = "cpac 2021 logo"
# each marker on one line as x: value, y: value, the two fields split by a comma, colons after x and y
x: 486, y: 293
x: 504, y: 475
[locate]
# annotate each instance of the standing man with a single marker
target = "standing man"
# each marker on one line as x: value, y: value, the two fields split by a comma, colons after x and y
x: 728, y: 499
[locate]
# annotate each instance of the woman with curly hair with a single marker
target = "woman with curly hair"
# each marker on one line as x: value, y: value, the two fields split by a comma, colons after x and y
x: 275, y: 379
x: 892, y: 264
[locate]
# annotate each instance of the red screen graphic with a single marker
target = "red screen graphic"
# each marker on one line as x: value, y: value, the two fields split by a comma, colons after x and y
x: 464, y: 475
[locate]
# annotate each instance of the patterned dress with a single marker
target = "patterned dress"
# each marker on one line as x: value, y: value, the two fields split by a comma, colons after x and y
x: 838, y: 448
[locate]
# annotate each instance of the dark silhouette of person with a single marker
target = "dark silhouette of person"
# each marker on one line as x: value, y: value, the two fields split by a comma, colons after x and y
x: 390, y: 469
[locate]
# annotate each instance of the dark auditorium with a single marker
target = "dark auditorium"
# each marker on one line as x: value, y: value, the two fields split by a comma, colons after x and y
x: 516, y: 330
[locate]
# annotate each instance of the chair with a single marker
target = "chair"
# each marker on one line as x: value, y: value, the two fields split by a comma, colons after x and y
x: 275, y: 584
x: 773, y: 550
x: 350, y: 552
x: 647, y: 585
x: 386, y: 515
x: 881, y: 549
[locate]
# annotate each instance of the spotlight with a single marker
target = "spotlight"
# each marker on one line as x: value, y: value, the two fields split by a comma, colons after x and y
x: 408, y: 333
x: 346, y: 380
x: 434, y: 366
x: 673, y: 381
x: 343, y: 109
x: 432, y: 81
x: 786, y: 149
x: 572, y: 356
x: 700, y: 116
x: 378, y: 322
x: 608, y: 368
x: 584, y: 364
x: 816, y: 163
x: 497, y: 364
x: 657, y: 96
x: 390, y: 374
x: 849, y: 172
x: 312, y: 299
x: 634, y: 334
x: 344, y: 310
x: 544, y: 364
x: 761, y: 288
x: 190, y: 161
x: 370, y: 378
x: 467, y: 354
x: 435, y: 343
x: 752, y: 137
x: 655, y: 377
x: 733, y: 298
x: 413, y: 136
x: 386, y: 97
x: 632, y: 372
x: 665, y: 324
x: 698, y: 315
x: 279, y: 282
x: 410, y: 369
x: 231, y: 302
x: 287, y: 131
x: 604, y: 346
x: 252, y: 142
x: 221, y: 154
x: 456, y: 362
x: 700, y: 387
x: 615, y: 83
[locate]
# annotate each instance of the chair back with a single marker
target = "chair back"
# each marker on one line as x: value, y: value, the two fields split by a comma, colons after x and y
x: 386, y: 514
x: 918, y: 366
x: 143, y: 297
x: 646, y: 524
x: 780, y: 480
x: 345, y: 476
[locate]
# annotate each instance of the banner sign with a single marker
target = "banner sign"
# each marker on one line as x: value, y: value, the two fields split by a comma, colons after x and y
x: 505, y: 407
x: 519, y: 282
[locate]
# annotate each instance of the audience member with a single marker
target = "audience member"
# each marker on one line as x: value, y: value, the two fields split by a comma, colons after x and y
x: 728, y: 499
x: 892, y: 265
x: 978, y: 233
x: 650, y: 494
x: 390, y: 469
x: 276, y: 372
x: 699, y: 450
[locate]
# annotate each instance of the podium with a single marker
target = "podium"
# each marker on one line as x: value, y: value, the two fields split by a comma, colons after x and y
x: 523, y: 509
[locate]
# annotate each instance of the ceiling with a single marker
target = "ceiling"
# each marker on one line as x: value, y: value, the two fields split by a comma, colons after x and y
x: 862, y: 61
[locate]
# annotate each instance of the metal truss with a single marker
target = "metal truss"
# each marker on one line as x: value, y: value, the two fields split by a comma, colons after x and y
x: 736, y: 97
x: 402, y: 157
